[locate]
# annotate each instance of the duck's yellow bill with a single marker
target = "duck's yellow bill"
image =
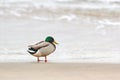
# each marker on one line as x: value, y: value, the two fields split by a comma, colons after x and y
x: 55, y: 42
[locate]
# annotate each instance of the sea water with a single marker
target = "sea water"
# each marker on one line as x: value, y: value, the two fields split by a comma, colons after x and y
x: 86, y: 30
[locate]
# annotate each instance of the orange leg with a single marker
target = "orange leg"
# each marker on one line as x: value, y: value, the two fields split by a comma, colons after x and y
x: 38, y: 60
x: 45, y: 58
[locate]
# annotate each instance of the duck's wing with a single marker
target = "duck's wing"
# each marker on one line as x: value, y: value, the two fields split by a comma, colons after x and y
x: 35, y: 44
x: 40, y: 45
x: 39, y: 42
x: 45, y: 45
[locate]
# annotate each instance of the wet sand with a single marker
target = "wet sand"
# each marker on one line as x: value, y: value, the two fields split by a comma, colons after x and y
x: 59, y: 71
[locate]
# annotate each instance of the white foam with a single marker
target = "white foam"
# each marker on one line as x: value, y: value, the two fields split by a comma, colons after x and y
x: 15, y: 13
x: 40, y: 18
x: 101, y: 30
x: 67, y: 17
x: 109, y: 0
x: 11, y: 1
x: 64, y: 0
x: 108, y: 22
x: 86, y: 58
x: 54, y: 5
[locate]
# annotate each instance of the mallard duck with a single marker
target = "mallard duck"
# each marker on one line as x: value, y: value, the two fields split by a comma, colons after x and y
x: 43, y: 48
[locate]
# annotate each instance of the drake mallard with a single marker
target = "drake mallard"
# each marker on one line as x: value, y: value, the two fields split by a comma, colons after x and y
x: 43, y: 48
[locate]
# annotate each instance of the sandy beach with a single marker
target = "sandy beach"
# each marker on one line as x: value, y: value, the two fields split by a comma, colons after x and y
x: 59, y: 71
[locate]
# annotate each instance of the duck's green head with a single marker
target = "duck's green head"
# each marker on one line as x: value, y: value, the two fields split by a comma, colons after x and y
x: 51, y: 40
